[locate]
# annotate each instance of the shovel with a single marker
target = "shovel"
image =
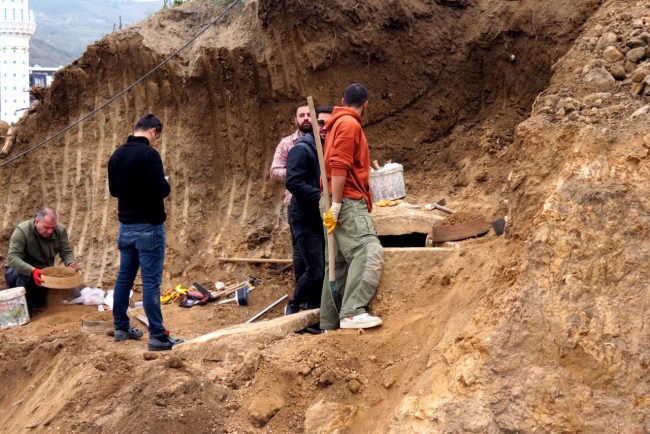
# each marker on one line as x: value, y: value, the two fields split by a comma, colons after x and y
x: 323, y: 176
x: 241, y: 297
x: 440, y: 205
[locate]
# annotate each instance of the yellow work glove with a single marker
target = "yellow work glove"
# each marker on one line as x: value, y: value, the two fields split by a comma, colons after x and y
x: 172, y: 295
x: 387, y: 202
x: 331, y: 217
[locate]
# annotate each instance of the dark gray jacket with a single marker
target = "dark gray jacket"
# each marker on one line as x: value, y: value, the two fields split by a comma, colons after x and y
x: 303, y: 181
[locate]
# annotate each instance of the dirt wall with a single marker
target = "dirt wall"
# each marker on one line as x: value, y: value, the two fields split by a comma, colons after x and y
x: 535, y: 332
x: 229, y: 99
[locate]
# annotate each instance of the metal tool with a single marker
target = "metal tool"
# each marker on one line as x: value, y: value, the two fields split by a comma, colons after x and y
x: 268, y: 308
x: 241, y: 297
x: 440, y: 205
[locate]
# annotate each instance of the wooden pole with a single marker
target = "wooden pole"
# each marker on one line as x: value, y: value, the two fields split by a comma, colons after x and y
x: 326, y: 191
x: 257, y: 260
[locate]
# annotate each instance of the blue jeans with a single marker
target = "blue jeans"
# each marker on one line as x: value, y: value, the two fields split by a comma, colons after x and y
x: 141, y: 246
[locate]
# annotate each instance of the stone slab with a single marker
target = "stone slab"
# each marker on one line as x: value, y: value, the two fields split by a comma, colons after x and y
x: 423, y: 254
x: 404, y: 219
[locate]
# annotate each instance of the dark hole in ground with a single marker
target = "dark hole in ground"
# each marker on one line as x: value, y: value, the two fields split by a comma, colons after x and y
x: 414, y: 239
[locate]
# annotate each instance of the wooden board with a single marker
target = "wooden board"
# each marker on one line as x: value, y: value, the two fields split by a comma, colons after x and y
x: 257, y: 260
x: 460, y: 231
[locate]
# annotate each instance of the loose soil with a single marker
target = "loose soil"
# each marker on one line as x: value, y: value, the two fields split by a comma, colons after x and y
x: 485, y: 104
x: 57, y: 271
x: 99, y: 316
x: 457, y: 218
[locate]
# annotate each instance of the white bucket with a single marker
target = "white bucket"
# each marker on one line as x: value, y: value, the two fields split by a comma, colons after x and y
x: 13, y: 308
x: 387, y: 184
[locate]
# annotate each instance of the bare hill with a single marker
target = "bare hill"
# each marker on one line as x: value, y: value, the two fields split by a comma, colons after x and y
x: 503, y: 107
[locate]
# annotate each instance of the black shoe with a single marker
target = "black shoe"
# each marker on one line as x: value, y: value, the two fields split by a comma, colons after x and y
x: 162, y: 342
x: 131, y: 333
x: 313, y: 331
x: 291, y: 308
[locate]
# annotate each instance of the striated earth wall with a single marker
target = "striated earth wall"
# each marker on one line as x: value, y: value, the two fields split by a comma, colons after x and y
x: 543, y: 331
x: 228, y: 99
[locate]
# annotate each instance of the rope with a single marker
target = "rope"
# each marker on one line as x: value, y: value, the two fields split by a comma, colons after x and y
x: 126, y: 90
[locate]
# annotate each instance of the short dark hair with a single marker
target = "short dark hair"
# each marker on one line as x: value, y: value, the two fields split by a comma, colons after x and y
x: 324, y: 109
x: 302, y: 104
x: 355, y: 95
x: 149, y: 121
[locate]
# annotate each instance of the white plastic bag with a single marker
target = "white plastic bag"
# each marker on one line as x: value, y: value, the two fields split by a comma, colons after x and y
x: 89, y: 297
x: 108, y: 300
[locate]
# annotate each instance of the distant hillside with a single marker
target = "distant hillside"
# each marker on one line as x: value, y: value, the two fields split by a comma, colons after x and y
x: 64, y: 28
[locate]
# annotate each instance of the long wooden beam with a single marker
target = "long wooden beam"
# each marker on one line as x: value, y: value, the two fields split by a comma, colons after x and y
x: 258, y: 260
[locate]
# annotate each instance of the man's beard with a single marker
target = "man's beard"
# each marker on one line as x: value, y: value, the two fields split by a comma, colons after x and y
x: 305, y: 128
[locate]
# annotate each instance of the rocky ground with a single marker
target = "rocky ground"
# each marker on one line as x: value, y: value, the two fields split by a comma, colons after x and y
x: 536, y: 110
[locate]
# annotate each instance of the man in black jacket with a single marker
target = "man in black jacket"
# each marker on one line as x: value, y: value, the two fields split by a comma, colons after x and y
x: 136, y: 178
x: 303, y: 181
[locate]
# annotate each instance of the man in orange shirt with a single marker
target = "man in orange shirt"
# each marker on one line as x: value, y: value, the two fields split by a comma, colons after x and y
x: 359, y: 255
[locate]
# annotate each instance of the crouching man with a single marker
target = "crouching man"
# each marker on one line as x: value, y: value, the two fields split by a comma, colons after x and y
x: 34, y: 246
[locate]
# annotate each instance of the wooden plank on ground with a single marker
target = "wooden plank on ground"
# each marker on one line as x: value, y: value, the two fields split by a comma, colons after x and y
x: 257, y: 260
x: 246, y: 335
x: 424, y: 250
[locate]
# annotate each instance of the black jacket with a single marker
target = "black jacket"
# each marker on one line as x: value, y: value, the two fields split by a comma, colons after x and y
x: 136, y: 178
x: 303, y: 181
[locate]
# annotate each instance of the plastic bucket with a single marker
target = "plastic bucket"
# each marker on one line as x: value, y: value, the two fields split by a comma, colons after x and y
x: 387, y: 184
x: 13, y: 308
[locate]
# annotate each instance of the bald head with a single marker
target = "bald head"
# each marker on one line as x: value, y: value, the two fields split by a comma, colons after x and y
x: 45, y: 222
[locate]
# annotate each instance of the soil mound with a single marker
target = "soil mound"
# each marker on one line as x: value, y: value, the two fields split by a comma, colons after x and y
x: 537, y: 331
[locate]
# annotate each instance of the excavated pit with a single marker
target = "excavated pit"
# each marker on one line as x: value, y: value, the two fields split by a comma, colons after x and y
x: 448, y: 88
x: 414, y: 239
x: 446, y: 100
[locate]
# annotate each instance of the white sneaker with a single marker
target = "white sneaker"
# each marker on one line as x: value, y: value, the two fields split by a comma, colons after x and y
x: 361, y: 321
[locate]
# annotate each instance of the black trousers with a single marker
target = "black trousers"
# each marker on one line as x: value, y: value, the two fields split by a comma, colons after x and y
x: 308, y: 263
x: 36, y: 295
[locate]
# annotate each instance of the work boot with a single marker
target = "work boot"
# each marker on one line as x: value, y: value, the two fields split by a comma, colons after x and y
x: 312, y: 330
x: 131, y: 333
x: 291, y: 308
x: 361, y: 321
x: 162, y: 342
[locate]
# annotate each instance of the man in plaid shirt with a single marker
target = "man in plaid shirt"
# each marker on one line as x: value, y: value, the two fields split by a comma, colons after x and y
x: 279, y: 165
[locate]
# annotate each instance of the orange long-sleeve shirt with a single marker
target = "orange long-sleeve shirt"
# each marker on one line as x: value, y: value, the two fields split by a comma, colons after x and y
x: 347, y: 154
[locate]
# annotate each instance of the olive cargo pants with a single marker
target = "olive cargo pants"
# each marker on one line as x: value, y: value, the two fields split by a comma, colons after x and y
x: 359, y: 261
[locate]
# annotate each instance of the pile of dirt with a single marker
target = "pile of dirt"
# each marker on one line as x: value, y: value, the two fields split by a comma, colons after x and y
x: 58, y: 271
x: 457, y: 218
x: 536, y: 331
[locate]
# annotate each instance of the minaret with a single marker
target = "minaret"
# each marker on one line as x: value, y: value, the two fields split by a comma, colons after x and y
x: 17, y: 25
